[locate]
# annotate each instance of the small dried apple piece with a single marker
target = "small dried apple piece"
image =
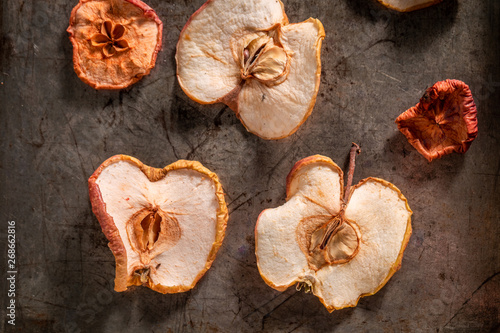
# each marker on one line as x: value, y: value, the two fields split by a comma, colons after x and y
x: 339, y: 245
x: 408, y: 5
x: 444, y: 121
x: 164, y: 226
x: 115, y: 42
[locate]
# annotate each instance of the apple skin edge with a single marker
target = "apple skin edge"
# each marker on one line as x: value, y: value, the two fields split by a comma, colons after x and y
x: 309, y: 161
x: 122, y: 280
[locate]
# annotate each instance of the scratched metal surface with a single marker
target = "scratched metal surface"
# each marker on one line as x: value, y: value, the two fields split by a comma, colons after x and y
x: 55, y: 131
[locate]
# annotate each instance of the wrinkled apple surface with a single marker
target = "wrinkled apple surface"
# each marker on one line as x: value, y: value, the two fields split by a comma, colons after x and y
x: 115, y: 42
x: 444, y: 121
x: 164, y: 226
x: 364, y: 251
x: 246, y: 55
x: 408, y: 5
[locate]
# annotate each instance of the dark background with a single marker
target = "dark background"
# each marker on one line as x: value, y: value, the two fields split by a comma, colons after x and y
x: 55, y: 131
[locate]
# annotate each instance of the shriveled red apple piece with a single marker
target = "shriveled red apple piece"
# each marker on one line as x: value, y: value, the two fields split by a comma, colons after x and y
x: 341, y: 245
x: 164, y: 226
x: 444, y: 121
x: 245, y: 54
x: 115, y: 42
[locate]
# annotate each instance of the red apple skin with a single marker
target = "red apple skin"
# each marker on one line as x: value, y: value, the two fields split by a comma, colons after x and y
x: 442, y: 90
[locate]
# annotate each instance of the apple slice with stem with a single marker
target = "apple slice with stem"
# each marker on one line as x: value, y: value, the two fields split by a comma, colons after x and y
x: 339, y: 244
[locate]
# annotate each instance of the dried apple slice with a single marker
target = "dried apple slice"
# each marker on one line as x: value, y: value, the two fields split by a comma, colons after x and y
x: 341, y: 246
x: 444, y: 121
x: 115, y: 42
x: 408, y: 5
x: 164, y: 226
x: 246, y: 55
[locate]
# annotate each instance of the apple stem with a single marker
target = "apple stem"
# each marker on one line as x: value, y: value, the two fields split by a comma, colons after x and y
x: 355, y: 150
x: 337, y: 223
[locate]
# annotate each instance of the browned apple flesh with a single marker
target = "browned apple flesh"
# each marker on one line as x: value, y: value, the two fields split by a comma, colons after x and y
x: 115, y: 42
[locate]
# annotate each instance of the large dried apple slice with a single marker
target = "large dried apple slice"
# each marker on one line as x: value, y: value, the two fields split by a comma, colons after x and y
x: 444, y: 121
x: 115, y: 42
x: 341, y: 246
x: 408, y: 5
x: 246, y: 55
x: 164, y: 226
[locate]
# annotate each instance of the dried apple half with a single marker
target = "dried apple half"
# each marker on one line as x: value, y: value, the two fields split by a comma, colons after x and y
x: 408, y: 5
x: 164, y: 226
x: 115, y: 42
x: 246, y: 55
x: 339, y: 245
x: 444, y: 121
